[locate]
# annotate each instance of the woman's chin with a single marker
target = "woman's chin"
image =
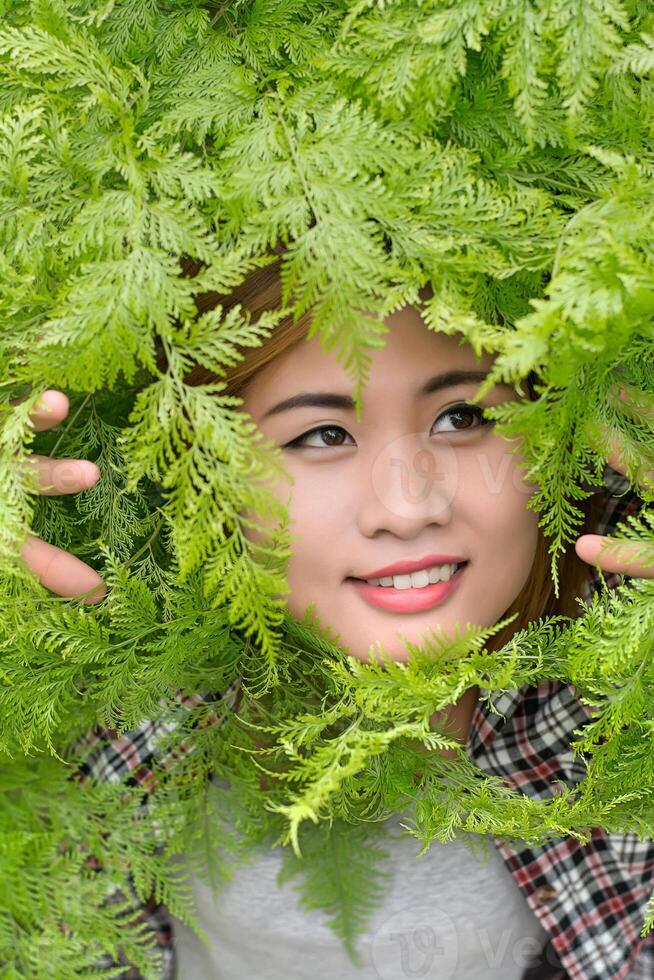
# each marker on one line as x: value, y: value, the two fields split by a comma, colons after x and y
x: 396, y: 650
x: 375, y: 640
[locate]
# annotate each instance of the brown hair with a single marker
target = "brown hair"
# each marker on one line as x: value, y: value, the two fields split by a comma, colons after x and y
x: 262, y: 290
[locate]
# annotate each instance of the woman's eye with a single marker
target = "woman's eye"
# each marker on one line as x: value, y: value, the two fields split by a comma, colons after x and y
x: 333, y: 436
x: 465, y: 415
x: 464, y: 418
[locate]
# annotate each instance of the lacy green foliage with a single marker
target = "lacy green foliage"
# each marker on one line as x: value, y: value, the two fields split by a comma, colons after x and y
x: 344, y: 871
x: 497, y: 151
x: 384, y: 707
x: 59, y: 916
x: 383, y: 710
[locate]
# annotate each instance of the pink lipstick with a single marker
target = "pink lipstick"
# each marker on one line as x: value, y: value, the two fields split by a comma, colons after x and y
x: 407, y: 600
x: 407, y: 566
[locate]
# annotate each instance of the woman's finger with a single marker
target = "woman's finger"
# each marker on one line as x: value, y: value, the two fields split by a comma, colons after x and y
x: 617, y: 555
x: 638, y: 403
x: 611, y: 442
x: 62, y: 572
x: 640, y: 406
x: 56, y: 476
x: 51, y: 409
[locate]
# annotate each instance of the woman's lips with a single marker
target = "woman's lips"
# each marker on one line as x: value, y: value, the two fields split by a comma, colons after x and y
x: 407, y: 600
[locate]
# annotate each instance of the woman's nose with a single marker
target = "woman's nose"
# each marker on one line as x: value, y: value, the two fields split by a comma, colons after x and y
x: 407, y: 484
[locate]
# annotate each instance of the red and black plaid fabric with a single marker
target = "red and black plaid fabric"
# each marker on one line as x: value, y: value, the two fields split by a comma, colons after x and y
x: 590, y: 898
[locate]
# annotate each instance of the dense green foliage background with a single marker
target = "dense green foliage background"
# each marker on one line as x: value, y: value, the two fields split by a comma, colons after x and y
x: 498, y: 150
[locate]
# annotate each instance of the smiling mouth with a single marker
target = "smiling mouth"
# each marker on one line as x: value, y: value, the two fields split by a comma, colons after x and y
x: 413, y: 588
x: 415, y: 599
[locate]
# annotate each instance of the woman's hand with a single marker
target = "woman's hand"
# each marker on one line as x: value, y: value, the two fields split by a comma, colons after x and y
x: 612, y: 554
x: 56, y: 569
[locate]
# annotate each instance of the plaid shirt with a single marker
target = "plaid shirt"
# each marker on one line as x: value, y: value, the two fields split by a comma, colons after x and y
x: 590, y: 897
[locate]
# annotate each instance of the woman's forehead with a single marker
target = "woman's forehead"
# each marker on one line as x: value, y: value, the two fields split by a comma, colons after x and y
x: 411, y: 354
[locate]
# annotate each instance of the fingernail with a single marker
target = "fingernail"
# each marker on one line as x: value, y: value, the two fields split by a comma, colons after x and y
x: 43, y: 405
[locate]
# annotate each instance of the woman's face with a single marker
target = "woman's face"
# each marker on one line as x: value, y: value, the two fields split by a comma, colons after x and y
x: 419, y: 479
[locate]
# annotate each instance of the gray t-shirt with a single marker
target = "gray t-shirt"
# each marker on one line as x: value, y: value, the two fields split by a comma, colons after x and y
x: 449, y: 913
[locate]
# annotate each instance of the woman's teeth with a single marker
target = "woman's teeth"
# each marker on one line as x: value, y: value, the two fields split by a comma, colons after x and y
x: 417, y: 580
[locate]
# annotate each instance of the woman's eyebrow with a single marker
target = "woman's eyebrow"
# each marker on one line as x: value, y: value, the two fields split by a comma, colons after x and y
x: 325, y: 399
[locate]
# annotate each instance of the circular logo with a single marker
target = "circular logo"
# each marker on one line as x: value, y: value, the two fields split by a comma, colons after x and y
x: 416, y: 943
x: 413, y: 477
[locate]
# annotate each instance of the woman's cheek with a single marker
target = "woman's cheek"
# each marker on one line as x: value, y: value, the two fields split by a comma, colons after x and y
x: 321, y: 518
x: 267, y: 522
x: 503, y: 531
x: 524, y: 518
x: 309, y: 510
x: 519, y: 542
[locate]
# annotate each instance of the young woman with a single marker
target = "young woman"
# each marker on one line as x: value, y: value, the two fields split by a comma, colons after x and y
x: 412, y: 518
